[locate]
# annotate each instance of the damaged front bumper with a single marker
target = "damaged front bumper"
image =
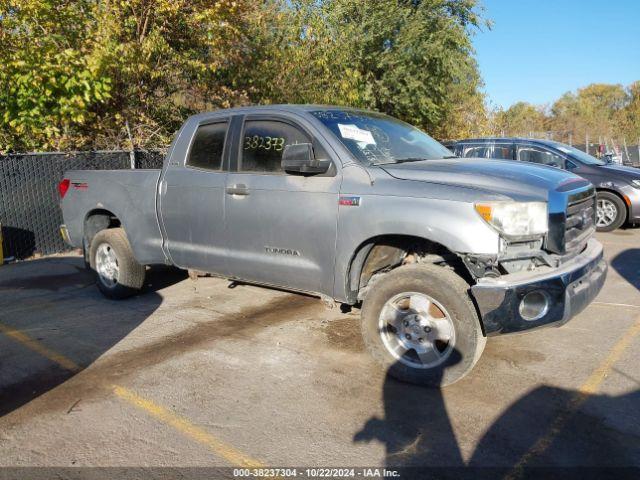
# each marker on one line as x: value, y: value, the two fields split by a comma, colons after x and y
x: 506, y: 303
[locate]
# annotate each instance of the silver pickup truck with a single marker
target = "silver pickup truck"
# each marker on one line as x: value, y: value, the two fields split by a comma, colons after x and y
x: 357, y: 208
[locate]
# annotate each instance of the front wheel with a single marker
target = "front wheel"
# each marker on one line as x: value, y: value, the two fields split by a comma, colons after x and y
x: 419, y: 322
x: 611, y: 212
x: 118, y: 274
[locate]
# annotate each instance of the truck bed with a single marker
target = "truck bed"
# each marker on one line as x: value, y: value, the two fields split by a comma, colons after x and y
x: 128, y: 195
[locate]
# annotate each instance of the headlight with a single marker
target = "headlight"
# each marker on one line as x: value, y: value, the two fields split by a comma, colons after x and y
x: 515, y: 219
x: 635, y: 183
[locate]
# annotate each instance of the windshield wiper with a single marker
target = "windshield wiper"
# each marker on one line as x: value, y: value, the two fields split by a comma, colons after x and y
x: 402, y: 160
x: 410, y: 159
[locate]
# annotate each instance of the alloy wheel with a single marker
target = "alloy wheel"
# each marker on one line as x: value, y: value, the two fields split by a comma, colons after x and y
x: 606, y: 213
x: 107, y: 265
x: 416, y: 330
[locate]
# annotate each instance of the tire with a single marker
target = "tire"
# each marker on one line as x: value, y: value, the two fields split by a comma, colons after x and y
x: 86, y: 258
x: 111, y: 247
x: 606, y: 222
x: 449, y: 296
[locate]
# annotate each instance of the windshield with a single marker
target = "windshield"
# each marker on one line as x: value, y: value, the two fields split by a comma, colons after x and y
x: 579, y: 155
x: 376, y: 139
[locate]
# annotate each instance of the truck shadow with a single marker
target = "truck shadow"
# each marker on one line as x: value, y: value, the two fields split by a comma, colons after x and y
x: 547, y: 427
x: 416, y: 429
x: 54, y: 323
x: 627, y: 264
x: 555, y: 427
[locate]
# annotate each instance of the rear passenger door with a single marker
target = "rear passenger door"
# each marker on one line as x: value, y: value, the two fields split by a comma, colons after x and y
x: 281, y: 227
x: 191, y: 197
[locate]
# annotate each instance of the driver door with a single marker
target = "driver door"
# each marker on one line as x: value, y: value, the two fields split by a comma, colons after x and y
x: 281, y: 227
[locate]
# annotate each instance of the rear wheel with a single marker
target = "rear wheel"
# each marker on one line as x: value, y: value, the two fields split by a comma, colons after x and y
x: 419, y: 322
x: 611, y: 212
x: 86, y: 255
x: 118, y: 274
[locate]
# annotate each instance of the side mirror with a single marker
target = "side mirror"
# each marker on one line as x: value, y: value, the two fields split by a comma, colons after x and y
x: 299, y: 158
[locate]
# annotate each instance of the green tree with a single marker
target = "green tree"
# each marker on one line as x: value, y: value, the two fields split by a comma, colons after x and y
x: 167, y: 59
x: 591, y: 110
x: 415, y: 56
x: 627, y: 119
x: 411, y: 59
x: 76, y: 73
x: 50, y: 85
x: 520, y: 119
x: 295, y: 56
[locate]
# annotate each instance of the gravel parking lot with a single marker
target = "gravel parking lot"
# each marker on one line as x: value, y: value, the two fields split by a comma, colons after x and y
x: 202, y: 374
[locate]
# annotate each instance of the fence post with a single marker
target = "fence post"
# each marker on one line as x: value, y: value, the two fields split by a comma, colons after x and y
x: 626, y: 150
x: 132, y: 153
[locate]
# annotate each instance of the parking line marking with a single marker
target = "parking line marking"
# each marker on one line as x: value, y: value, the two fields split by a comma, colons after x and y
x: 229, y: 453
x: 607, y: 304
x: 38, y: 347
x: 183, y: 425
x: 620, y: 244
x: 589, y: 387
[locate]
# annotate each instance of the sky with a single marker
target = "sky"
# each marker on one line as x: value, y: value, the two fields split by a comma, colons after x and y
x: 537, y: 50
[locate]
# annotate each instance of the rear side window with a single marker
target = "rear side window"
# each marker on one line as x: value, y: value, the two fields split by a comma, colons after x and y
x: 475, y: 151
x: 502, y: 152
x: 538, y: 155
x: 208, y: 146
x: 263, y: 143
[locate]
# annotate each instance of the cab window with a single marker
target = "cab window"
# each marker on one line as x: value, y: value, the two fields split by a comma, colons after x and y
x: 502, y: 152
x: 541, y: 156
x: 264, y: 141
x: 474, y: 151
x: 208, y: 146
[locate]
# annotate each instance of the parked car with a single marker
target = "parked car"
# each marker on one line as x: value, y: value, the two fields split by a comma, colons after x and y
x: 357, y: 208
x: 618, y: 187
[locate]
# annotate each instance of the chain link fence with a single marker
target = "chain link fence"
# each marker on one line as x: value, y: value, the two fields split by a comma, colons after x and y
x: 629, y: 156
x: 29, y: 202
x: 617, y: 149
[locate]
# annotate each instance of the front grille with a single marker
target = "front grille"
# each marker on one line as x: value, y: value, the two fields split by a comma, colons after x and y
x: 571, y: 218
x: 580, y: 221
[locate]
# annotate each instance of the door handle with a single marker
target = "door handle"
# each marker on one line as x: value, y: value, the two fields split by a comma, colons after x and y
x: 238, y: 189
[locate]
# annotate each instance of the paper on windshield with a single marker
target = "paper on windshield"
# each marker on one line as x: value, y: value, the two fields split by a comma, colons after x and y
x: 360, y: 135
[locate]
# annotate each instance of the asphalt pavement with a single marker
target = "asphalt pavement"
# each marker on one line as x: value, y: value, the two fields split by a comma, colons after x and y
x: 198, y: 374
